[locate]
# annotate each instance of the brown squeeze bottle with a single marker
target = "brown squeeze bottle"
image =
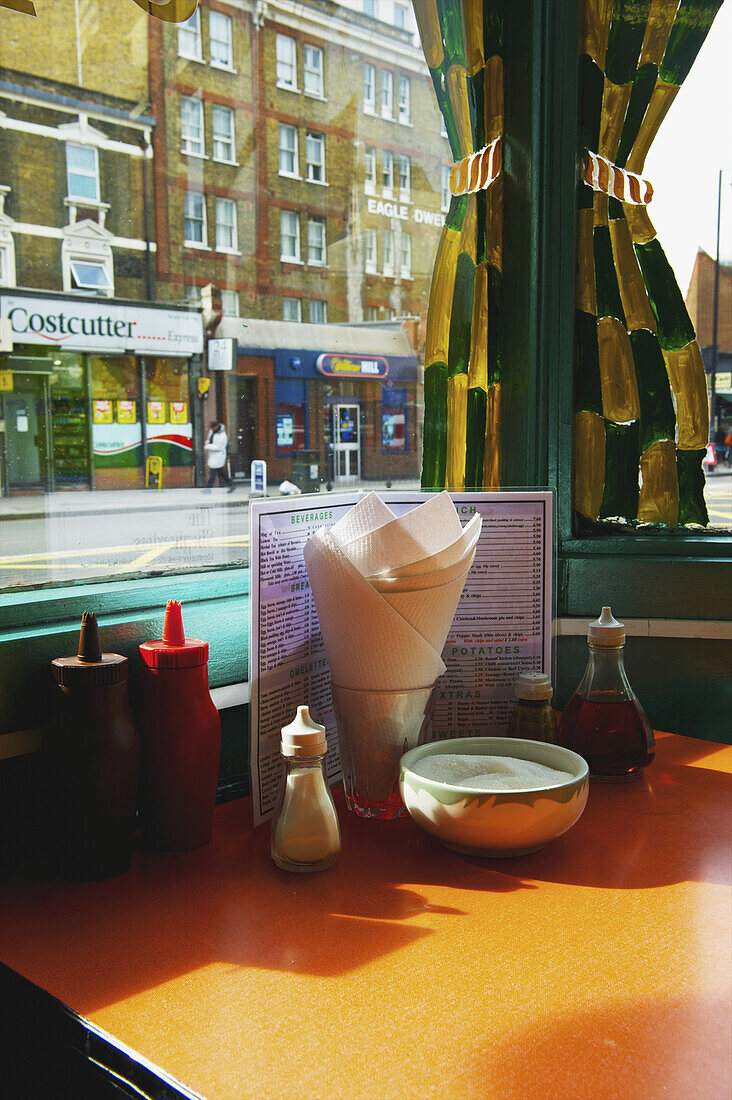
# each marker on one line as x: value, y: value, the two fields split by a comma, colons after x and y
x: 181, y: 736
x: 93, y: 759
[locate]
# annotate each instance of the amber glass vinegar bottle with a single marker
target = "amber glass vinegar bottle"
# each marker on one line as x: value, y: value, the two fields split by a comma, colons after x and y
x: 603, y: 721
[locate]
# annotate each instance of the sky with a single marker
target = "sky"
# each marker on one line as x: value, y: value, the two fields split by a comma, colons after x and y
x: 692, y: 145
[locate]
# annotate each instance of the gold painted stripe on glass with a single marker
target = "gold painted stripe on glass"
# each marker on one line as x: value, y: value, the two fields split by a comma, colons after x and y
x: 428, y: 22
x: 478, y: 366
x: 457, y: 90
x: 662, y: 97
x: 437, y: 339
x: 473, y: 33
x: 637, y: 309
x: 492, y: 459
x: 493, y: 84
x: 615, y: 99
x: 457, y: 443
x: 494, y: 223
x: 640, y: 225
x: 689, y: 382
x: 620, y: 400
x: 468, y: 236
x: 585, y: 296
x: 659, y: 491
x: 596, y: 16
x: 588, y: 461
x: 660, y: 21
x: 599, y: 207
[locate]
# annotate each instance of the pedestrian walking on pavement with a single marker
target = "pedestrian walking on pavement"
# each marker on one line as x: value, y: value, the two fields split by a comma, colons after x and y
x: 216, y: 458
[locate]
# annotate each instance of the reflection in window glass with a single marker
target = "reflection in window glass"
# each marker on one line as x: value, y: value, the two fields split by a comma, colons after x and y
x: 313, y: 71
x: 288, y: 150
x: 369, y: 89
x: 404, y: 178
x: 387, y: 94
x: 387, y: 175
x: 89, y: 275
x: 286, y: 62
x: 230, y: 303
x: 404, y: 99
x: 82, y: 172
x: 370, y: 170
x: 291, y: 309
x: 191, y: 125
x: 220, y: 40
x: 290, y: 235
x: 370, y: 252
x: 388, y: 248
x: 315, y: 157
x: 406, y: 264
x: 316, y: 241
x: 226, y: 225
x: 444, y: 188
x: 318, y: 314
x: 189, y: 37
x: 222, y: 119
x: 195, y: 218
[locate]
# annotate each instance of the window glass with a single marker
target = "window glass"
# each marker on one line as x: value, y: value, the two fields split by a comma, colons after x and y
x: 388, y: 249
x: 313, y: 71
x: 316, y: 241
x: 318, y: 314
x: 226, y: 225
x: 404, y: 179
x: 370, y: 170
x: 290, y: 230
x: 404, y: 99
x: 191, y: 125
x: 222, y: 120
x: 315, y: 157
x: 220, y: 40
x: 230, y: 303
x: 387, y: 174
x: 89, y: 275
x: 286, y: 62
x: 82, y: 172
x: 406, y: 264
x: 288, y: 150
x: 189, y: 37
x: 291, y: 309
x: 400, y: 16
x: 387, y: 94
x: 370, y: 252
x: 369, y: 88
x: 195, y: 218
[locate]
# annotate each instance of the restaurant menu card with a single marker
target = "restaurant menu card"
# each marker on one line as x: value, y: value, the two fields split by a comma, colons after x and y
x: 502, y: 625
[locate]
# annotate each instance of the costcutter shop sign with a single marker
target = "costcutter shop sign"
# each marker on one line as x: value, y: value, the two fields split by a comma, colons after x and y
x: 100, y: 327
x: 352, y: 366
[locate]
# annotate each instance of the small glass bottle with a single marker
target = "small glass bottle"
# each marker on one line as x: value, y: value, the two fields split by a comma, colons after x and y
x: 533, y: 716
x: 603, y: 721
x: 305, y: 831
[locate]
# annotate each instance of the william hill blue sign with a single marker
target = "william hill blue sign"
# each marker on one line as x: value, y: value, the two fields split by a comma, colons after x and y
x: 353, y: 366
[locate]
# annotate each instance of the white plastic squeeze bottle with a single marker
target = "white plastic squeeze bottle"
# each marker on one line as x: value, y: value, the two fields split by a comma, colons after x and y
x: 305, y: 831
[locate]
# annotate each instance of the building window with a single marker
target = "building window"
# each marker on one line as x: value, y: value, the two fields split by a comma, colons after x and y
x: 315, y: 157
x: 406, y: 259
x: 370, y: 170
x: 369, y: 249
x: 313, y: 72
x: 82, y: 172
x: 229, y: 303
x: 388, y: 239
x: 404, y: 178
x: 387, y: 175
x: 224, y: 147
x: 191, y: 126
x: 189, y: 37
x: 288, y: 150
x: 387, y: 95
x: 290, y: 236
x: 389, y: 313
x: 318, y: 312
x: 291, y: 309
x: 194, y: 219
x: 444, y: 188
x: 371, y: 313
x: 90, y: 275
x: 219, y: 27
x: 226, y: 238
x: 369, y: 89
x: 316, y: 241
x: 369, y: 8
x: 400, y: 17
x: 286, y: 62
x: 404, y: 99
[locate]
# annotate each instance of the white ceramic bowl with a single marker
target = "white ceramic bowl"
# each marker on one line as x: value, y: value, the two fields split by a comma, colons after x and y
x: 500, y: 823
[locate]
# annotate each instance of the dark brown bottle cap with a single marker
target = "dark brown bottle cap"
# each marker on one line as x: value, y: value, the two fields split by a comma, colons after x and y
x: 90, y: 667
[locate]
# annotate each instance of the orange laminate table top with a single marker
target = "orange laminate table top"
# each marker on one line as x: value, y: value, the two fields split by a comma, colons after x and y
x: 597, y: 967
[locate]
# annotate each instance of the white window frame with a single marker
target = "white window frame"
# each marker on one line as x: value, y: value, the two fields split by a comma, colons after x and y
x: 294, y: 256
x: 315, y: 140
x: 219, y: 138
x: 316, y: 72
x: 188, y: 198
x: 219, y: 18
x: 370, y: 251
x: 387, y: 174
x: 191, y: 31
x: 405, y: 267
x: 400, y: 20
x: 230, y: 303
x: 189, y: 144
x: 444, y: 188
x: 287, y: 304
x: 286, y: 43
x: 405, y: 99
x: 222, y: 209
x: 82, y: 173
x: 405, y: 179
x: 387, y: 94
x: 321, y: 306
x: 369, y: 171
x: 388, y: 252
x: 290, y: 152
x: 317, y: 242
x: 77, y: 282
x: 369, y: 89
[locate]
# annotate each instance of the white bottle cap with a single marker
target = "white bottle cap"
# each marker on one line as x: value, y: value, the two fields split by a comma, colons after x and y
x: 533, y: 685
x: 303, y: 736
x: 606, y: 630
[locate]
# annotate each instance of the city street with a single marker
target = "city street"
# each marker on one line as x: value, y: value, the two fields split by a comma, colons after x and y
x: 92, y: 536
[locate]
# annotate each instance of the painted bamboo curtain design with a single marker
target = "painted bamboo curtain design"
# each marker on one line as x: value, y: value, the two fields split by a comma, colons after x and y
x: 462, y: 44
x: 640, y: 399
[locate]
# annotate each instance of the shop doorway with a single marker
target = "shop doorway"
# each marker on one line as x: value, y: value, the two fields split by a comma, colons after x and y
x: 242, y: 447
x: 346, y: 444
x: 28, y: 434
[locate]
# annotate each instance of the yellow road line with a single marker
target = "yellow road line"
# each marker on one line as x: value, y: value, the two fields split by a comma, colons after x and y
x: 144, y: 559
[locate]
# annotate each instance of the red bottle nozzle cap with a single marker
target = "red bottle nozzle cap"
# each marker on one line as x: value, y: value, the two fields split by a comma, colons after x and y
x: 174, y: 650
x: 173, y: 633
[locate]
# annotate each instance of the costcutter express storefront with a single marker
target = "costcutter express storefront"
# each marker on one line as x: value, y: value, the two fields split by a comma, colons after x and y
x: 345, y: 398
x: 90, y: 388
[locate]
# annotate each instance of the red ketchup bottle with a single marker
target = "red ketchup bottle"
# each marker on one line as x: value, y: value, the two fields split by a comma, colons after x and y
x: 181, y: 735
